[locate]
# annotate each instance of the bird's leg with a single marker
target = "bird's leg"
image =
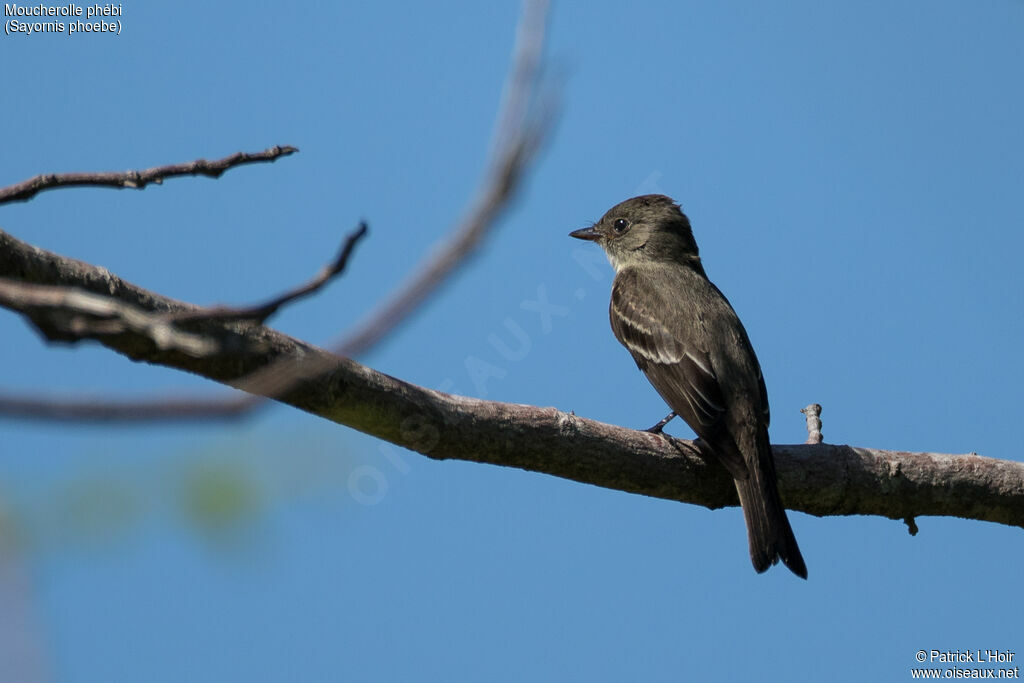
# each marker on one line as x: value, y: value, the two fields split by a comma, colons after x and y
x: 656, y: 429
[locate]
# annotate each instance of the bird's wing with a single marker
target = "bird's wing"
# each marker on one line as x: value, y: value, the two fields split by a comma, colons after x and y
x: 766, y: 411
x: 682, y: 373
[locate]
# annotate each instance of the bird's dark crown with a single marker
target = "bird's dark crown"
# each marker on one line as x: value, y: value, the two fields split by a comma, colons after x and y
x: 650, y: 227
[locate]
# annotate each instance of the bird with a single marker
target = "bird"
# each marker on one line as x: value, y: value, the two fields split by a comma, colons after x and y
x: 686, y: 338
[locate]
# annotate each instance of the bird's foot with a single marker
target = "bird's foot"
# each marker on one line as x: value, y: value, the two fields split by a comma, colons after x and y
x: 656, y: 429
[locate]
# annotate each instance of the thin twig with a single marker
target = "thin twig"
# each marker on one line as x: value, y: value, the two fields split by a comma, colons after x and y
x: 102, y: 410
x: 137, y: 180
x: 812, y: 414
x: 517, y: 139
x: 65, y: 314
x: 70, y: 315
x: 261, y: 312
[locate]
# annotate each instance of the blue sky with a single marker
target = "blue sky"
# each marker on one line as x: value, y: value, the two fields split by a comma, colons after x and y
x: 853, y: 173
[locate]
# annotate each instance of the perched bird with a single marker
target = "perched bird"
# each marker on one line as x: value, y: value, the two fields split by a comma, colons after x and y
x: 688, y: 341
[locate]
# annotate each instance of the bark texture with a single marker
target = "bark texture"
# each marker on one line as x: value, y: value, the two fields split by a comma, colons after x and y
x: 820, y: 479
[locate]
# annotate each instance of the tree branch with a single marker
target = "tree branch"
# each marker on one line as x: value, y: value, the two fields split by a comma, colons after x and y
x: 64, y: 314
x: 516, y: 141
x: 25, y: 190
x: 68, y: 314
x: 523, y: 123
x: 818, y: 479
x: 260, y: 312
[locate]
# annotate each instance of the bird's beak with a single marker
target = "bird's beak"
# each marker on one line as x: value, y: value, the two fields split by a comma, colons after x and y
x: 586, y: 234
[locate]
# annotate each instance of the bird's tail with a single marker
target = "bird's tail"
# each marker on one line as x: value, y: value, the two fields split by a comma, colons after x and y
x: 768, y: 530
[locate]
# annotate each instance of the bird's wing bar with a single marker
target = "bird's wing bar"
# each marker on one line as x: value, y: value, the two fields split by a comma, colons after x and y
x: 684, y: 378
x: 682, y: 374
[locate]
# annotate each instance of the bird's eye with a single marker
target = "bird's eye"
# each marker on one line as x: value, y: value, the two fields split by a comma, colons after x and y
x: 620, y: 225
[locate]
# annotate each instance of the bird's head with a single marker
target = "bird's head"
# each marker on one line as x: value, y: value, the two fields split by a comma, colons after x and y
x: 643, y: 229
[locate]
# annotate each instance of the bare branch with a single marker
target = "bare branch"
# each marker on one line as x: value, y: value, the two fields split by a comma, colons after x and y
x: 102, y: 410
x: 25, y: 190
x: 261, y: 312
x: 66, y: 314
x: 61, y: 314
x: 517, y: 138
x: 818, y: 479
x: 516, y: 142
x: 70, y: 315
x: 813, y: 416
